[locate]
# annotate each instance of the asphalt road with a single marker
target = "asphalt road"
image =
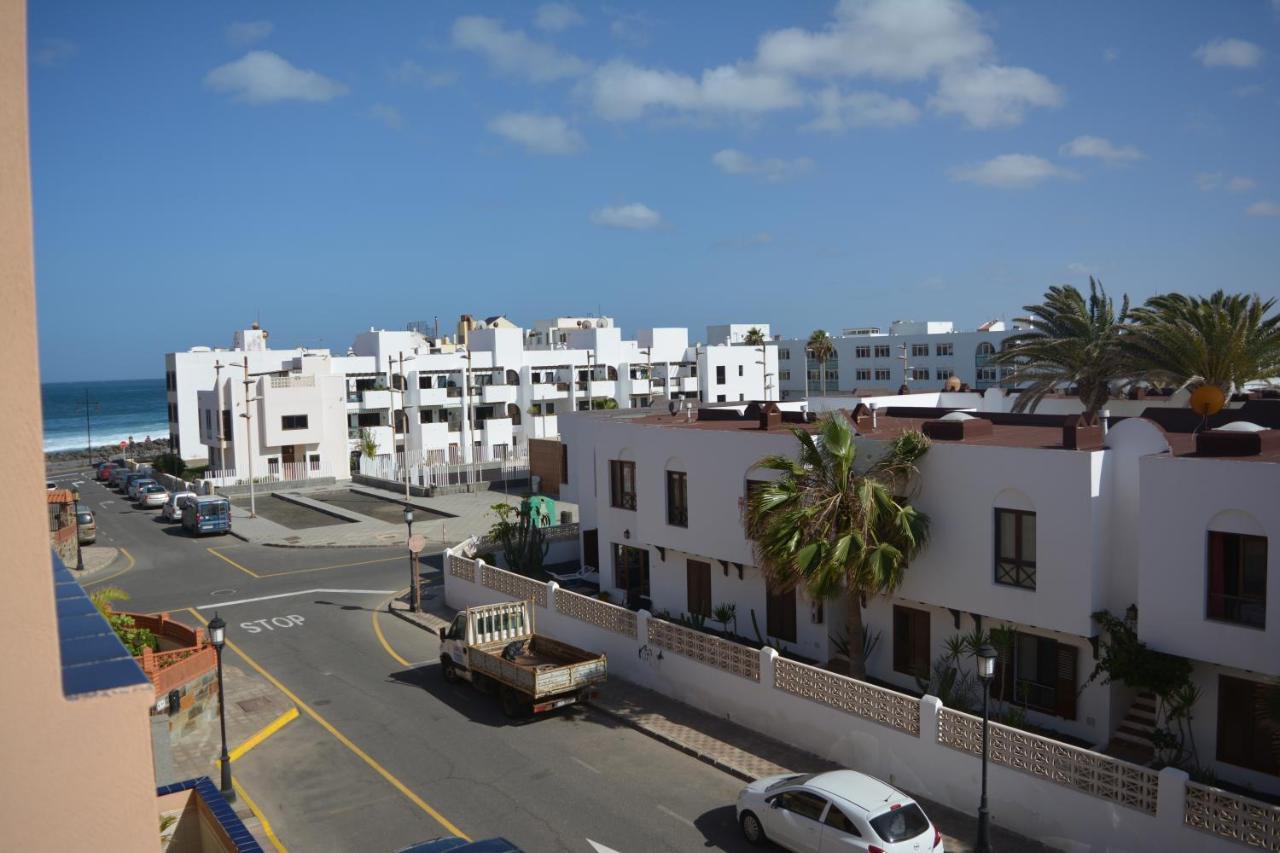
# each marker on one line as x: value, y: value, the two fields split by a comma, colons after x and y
x: 384, y: 753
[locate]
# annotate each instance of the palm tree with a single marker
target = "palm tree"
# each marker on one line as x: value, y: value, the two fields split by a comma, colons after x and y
x: 1222, y: 339
x: 821, y: 347
x: 828, y: 528
x: 1070, y: 341
x: 754, y: 337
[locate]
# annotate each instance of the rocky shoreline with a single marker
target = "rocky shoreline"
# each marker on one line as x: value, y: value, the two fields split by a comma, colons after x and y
x: 142, y: 451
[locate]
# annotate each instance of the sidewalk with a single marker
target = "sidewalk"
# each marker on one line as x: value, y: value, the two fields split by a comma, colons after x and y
x: 252, y: 705
x: 735, y: 749
x: 98, y: 559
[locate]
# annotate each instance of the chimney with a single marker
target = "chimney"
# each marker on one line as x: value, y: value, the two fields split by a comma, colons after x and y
x: 874, y: 422
x: 770, y: 417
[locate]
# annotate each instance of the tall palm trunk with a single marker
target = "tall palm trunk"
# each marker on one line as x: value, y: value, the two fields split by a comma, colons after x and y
x: 853, y: 630
x: 822, y: 375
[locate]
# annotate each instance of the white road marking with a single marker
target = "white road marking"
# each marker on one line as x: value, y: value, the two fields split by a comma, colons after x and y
x: 583, y: 763
x: 272, y: 623
x: 600, y: 848
x: 291, y: 594
x: 678, y: 817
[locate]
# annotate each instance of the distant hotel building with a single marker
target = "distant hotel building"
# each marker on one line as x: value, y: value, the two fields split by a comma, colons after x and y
x: 921, y: 355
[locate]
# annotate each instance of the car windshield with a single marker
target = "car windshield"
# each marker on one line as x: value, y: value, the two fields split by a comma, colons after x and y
x: 84, y: 518
x: 900, y: 824
x: 798, y: 779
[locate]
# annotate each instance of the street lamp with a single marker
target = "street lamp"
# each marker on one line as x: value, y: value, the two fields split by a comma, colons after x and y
x: 218, y: 636
x: 75, y: 509
x: 986, y: 669
x: 414, y: 595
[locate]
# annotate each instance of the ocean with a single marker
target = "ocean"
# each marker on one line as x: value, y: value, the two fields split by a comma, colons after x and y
x: 125, y: 407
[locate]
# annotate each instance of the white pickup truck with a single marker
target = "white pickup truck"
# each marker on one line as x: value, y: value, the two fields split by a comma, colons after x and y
x: 495, y: 648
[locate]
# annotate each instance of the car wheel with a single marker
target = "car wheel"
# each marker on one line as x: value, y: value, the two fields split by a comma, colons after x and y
x: 751, y: 828
x: 448, y: 671
x: 511, y: 704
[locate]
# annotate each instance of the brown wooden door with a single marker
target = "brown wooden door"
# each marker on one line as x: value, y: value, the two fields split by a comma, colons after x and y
x: 591, y: 548
x: 699, y: 588
x: 780, y: 615
x: 288, y: 454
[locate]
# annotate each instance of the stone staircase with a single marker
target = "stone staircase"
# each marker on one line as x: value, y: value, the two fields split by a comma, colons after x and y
x: 1132, y: 739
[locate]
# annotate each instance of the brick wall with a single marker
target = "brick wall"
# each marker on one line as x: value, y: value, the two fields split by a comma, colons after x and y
x: 545, y: 455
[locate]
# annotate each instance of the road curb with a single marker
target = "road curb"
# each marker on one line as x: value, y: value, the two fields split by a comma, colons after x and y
x: 705, y: 758
x: 405, y: 616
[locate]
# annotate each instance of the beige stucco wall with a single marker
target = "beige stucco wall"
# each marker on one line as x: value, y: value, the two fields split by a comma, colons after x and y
x: 78, y: 772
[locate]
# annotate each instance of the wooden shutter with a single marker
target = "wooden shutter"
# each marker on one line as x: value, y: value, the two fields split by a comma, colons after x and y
x: 920, y: 642
x: 699, y: 587
x: 1066, y: 681
x: 591, y: 548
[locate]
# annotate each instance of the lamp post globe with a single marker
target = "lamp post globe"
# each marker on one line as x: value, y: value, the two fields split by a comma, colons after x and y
x: 218, y: 637
x: 986, y: 670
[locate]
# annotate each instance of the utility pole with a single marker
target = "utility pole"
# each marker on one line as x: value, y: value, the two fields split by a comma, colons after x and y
x: 89, y: 405
x: 248, y: 434
x: 403, y: 392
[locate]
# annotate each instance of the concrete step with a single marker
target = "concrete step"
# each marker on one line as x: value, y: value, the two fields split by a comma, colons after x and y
x: 1129, y: 737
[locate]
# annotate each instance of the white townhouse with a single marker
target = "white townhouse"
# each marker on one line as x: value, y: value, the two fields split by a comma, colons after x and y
x: 295, y: 427
x: 1035, y: 527
x: 923, y: 355
x: 475, y: 401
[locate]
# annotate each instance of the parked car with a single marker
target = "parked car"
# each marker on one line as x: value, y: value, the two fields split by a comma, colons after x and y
x: 152, y: 496
x: 837, y: 810
x: 127, y: 479
x: 138, y: 484
x: 104, y: 472
x: 207, y: 514
x: 86, y: 526
x: 118, y: 473
x: 172, y: 509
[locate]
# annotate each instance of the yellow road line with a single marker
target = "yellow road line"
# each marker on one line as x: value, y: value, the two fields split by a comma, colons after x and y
x: 343, y: 739
x: 381, y: 639
x: 265, y: 732
x: 250, y: 572
x: 132, y: 563
x: 262, y: 818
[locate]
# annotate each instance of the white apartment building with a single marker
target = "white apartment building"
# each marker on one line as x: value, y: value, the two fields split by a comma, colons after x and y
x: 1025, y: 534
x: 448, y: 402
x: 922, y: 355
x: 295, y: 428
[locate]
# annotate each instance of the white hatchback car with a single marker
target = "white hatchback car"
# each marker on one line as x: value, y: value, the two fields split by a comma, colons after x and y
x: 172, y: 509
x: 841, y: 810
x: 152, y: 496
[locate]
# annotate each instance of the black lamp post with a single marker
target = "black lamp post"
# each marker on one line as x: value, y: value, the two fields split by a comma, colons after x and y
x: 414, y: 600
x: 218, y: 636
x: 986, y: 669
x: 75, y: 508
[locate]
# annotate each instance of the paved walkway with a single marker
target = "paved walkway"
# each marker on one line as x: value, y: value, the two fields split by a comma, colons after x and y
x: 467, y: 514
x: 252, y: 705
x: 736, y: 750
x: 98, y: 559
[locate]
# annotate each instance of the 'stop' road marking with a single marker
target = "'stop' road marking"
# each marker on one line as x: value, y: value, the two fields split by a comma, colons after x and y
x: 343, y: 739
x: 219, y: 604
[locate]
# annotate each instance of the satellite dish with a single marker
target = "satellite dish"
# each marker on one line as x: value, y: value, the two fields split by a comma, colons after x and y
x: 1207, y: 400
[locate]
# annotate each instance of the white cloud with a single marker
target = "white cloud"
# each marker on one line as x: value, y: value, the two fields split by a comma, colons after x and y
x: 1229, y: 53
x: 993, y: 95
x: 541, y: 134
x: 1210, y: 181
x: 1249, y: 91
x: 388, y: 115
x: 410, y: 73
x: 1010, y: 172
x: 634, y: 217
x: 556, y: 17
x: 772, y: 169
x: 243, y: 33
x: 260, y: 77
x: 1082, y: 269
x: 881, y: 38
x: 631, y: 27
x: 1263, y: 208
x: 837, y: 112
x: 1100, y: 149
x: 1110, y: 55
x: 52, y: 52
x: 512, y: 52
x: 622, y: 91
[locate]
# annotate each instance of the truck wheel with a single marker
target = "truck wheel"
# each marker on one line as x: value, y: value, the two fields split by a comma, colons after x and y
x: 447, y: 670
x: 512, y: 706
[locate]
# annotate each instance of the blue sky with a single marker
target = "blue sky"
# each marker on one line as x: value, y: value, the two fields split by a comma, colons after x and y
x: 198, y: 166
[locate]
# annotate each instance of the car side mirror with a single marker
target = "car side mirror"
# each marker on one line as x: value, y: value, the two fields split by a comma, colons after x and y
x: 773, y: 804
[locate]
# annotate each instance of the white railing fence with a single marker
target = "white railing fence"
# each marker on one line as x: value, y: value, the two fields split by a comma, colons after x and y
x: 437, y: 468
x: 1071, y: 798
x: 283, y: 472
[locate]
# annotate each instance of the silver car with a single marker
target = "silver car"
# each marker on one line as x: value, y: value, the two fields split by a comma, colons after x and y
x: 136, y: 487
x: 152, y: 496
x: 172, y: 509
x: 838, y: 810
